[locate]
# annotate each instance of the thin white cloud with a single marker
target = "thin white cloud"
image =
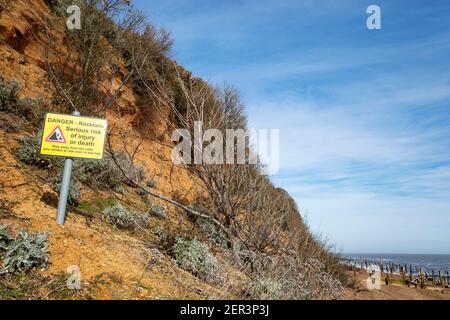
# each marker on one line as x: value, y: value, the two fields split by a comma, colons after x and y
x: 364, y: 131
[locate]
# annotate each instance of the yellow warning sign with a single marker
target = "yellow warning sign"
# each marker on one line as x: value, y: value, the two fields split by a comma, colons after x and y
x: 73, y: 137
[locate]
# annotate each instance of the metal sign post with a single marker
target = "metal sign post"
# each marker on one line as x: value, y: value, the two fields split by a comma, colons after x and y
x: 65, y: 185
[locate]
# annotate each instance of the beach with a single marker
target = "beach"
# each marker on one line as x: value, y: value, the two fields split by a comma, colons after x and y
x: 394, y: 291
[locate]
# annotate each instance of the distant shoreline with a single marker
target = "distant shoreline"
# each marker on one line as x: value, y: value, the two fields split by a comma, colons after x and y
x: 431, y: 264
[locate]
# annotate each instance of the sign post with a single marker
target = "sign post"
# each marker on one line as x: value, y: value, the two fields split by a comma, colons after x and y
x: 65, y: 184
x: 72, y: 136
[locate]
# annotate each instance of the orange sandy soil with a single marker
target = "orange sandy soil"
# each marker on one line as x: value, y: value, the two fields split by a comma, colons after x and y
x: 392, y: 291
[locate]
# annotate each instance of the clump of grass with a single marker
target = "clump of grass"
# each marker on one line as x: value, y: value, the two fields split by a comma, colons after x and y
x: 194, y: 256
x: 144, y: 196
x: 25, y: 252
x: 36, y: 286
x: 124, y: 218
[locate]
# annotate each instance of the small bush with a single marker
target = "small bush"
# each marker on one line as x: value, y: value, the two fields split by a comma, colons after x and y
x: 158, y: 211
x: 271, y: 289
x: 106, y: 173
x: 59, y: 7
x: 124, y: 218
x: 214, y: 233
x: 98, y: 173
x: 135, y: 172
x: 25, y: 252
x: 5, y: 237
x: 32, y: 110
x: 194, y: 256
x: 289, y: 279
x: 152, y: 183
x: 29, y: 153
x: 144, y: 195
x: 74, y: 190
x: 8, y: 95
x: 166, y: 238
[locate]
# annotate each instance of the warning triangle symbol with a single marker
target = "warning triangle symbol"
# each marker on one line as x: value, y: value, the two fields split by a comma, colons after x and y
x: 56, y: 136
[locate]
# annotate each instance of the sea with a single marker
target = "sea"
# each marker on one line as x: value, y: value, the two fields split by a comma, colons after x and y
x: 428, y: 262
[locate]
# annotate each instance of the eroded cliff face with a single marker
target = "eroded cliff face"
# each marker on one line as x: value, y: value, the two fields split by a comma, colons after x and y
x: 117, y: 262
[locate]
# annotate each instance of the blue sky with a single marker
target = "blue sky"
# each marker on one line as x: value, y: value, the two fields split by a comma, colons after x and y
x: 363, y: 114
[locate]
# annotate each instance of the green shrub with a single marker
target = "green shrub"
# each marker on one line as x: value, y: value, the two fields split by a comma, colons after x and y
x: 152, y: 183
x: 144, y: 195
x: 5, y: 237
x: 8, y: 95
x: 284, y: 278
x: 271, y: 289
x: 124, y: 218
x: 74, y: 190
x: 135, y: 172
x: 30, y: 109
x: 165, y: 237
x: 106, y: 173
x: 29, y: 153
x: 98, y: 173
x: 25, y: 252
x: 59, y: 7
x: 214, y: 233
x: 194, y: 256
x: 158, y: 211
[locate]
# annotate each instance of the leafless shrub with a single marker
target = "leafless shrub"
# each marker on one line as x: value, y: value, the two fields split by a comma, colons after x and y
x: 286, y: 278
